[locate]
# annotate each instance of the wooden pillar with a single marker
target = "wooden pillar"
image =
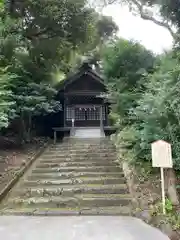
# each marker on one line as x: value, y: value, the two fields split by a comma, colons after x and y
x: 64, y: 111
x: 55, y: 136
x: 101, y: 117
x: 73, y: 122
x: 73, y: 113
x: 107, y: 115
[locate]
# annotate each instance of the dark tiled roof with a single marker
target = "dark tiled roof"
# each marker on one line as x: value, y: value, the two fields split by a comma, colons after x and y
x: 84, y: 69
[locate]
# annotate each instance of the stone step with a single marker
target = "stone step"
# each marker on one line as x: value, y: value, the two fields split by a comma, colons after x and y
x: 50, y: 169
x: 81, y: 151
x: 98, y: 158
x: 92, y: 153
x: 80, y: 177
x: 71, y: 162
x: 77, y: 158
x: 101, y: 211
x: 52, y: 164
x: 97, y: 190
x: 107, y: 211
x: 67, y: 175
x: 30, y: 211
x: 81, y: 156
x: 46, y: 182
x: 71, y: 190
x: 86, y: 141
x: 81, y: 148
x: 91, y: 133
x: 85, y: 200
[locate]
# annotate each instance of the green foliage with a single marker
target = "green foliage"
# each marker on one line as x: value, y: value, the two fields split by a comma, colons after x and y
x: 39, y: 40
x: 125, y: 64
x: 157, y: 110
x: 32, y: 98
x: 24, y: 82
x: 146, y: 99
x: 157, y: 209
x: 172, y: 216
x: 168, y: 205
x: 54, y: 29
x: 6, y: 102
x: 128, y: 60
x: 102, y: 31
x: 106, y: 28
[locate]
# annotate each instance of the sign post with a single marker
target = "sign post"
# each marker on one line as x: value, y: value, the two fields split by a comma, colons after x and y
x: 162, y: 158
x: 163, y: 191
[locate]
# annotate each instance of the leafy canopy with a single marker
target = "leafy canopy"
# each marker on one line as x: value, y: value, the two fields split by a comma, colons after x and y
x: 39, y: 40
x: 124, y: 64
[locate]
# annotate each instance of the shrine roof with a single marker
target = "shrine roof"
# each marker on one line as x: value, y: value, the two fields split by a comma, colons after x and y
x: 86, y: 70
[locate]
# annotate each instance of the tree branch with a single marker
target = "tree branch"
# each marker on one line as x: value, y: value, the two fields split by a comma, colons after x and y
x: 144, y: 16
x: 160, y: 23
x: 37, y: 34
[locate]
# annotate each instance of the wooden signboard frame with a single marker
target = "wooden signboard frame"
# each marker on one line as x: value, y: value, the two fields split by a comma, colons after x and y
x: 162, y: 158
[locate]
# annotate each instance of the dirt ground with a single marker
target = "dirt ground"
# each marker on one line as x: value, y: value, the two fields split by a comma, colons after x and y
x: 13, y: 157
x: 148, y: 194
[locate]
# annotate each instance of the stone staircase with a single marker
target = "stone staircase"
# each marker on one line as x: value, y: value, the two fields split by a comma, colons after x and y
x: 91, y: 132
x: 76, y: 177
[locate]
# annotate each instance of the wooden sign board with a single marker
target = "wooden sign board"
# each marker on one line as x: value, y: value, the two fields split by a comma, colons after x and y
x: 161, y: 154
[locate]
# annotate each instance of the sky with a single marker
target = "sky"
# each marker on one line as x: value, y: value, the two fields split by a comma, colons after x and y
x: 153, y: 37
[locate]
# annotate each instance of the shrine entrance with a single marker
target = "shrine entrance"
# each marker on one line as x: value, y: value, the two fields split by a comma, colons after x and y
x: 84, y: 101
x: 86, y: 115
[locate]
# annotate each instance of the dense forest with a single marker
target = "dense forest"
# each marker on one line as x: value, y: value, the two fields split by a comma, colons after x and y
x: 40, y: 45
x: 41, y: 42
x: 146, y: 87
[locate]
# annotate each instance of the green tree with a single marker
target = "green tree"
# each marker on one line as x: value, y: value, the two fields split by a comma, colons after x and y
x: 163, y: 13
x: 32, y: 99
x: 50, y: 33
x: 48, y: 30
x: 158, y: 109
x: 125, y: 64
x: 6, y: 103
x: 39, y: 39
x: 103, y: 31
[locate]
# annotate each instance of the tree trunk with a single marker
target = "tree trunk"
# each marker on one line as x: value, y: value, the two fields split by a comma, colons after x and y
x: 170, y: 185
x: 22, y: 130
x: 29, y: 128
